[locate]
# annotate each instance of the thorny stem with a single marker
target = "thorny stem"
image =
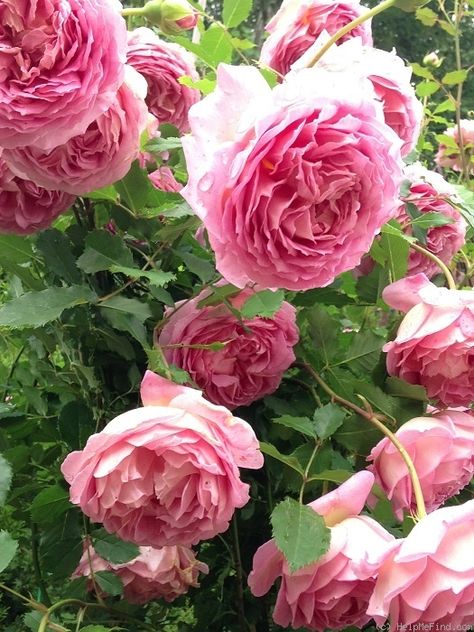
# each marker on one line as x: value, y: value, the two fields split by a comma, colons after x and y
x: 415, y: 481
x: 437, y: 260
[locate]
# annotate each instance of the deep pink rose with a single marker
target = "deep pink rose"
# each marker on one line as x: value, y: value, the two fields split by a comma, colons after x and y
x: 162, y: 64
x: 166, y: 473
x: 430, y: 193
x: 257, y: 351
x: 449, y: 155
x: 429, y: 577
x: 332, y: 593
x: 298, y: 23
x: 25, y: 207
x: 99, y: 157
x: 441, y: 448
x: 293, y: 183
x: 164, y: 573
x: 434, y: 346
x: 164, y: 180
x: 61, y: 64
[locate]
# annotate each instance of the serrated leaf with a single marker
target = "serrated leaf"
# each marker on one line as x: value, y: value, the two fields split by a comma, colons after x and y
x: 291, y: 461
x: 5, y: 479
x: 131, y: 306
x: 50, y: 504
x: 421, y: 71
x: 323, y: 330
x: 8, y: 548
x: 370, y: 286
x: 110, y: 583
x: 95, y: 628
x: 430, y: 219
x: 58, y: 256
x: 75, y: 424
x: 218, y: 44
x: 235, y: 12
x: 397, y: 249
x: 103, y: 251
x: 427, y: 88
x: 300, y: 533
x: 134, y: 189
x: 265, y: 304
x: 324, y: 296
x: 399, y: 388
x: 202, y: 268
x: 35, y: 309
x: 333, y: 476
x: 112, y: 549
x: 454, y: 77
x: 327, y: 420
x: 127, y: 322
x: 16, y: 249
x: 156, y: 277
x: 106, y: 193
x: 61, y: 546
x: 301, y: 424
x: 363, y: 352
x: 446, y: 106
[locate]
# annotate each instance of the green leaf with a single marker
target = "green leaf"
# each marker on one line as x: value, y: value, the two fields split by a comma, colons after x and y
x: 430, y: 219
x: 110, y: 583
x: 135, y: 188
x: 8, y: 548
x: 396, y: 248
x: 370, y: 287
x: 106, y: 193
x: 104, y: 251
x: 16, y: 249
x: 454, y: 77
x: 35, y: 309
x: 127, y: 322
x: 75, y: 424
x: 129, y: 306
x: 323, y: 330
x: 427, y: 88
x: 61, y: 545
x: 156, y: 277
x: 421, y: 71
x: 199, y: 50
x: 426, y: 16
x: 290, y: 461
x: 322, y: 296
x: 327, y: 420
x: 446, y: 106
x: 399, y: 388
x: 202, y: 268
x: 50, y: 504
x: 300, y: 533
x: 466, y: 208
x: 235, y: 12
x: 5, y: 479
x: 95, y: 628
x: 218, y: 44
x: 333, y: 476
x: 205, y: 85
x: 58, y: 256
x: 301, y: 424
x: 219, y: 293
x: 113, y: 549
x: 265, y: 304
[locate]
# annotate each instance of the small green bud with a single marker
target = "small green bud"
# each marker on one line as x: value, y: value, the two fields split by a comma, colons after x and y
x: 171, y: 16
x: 432, y: 59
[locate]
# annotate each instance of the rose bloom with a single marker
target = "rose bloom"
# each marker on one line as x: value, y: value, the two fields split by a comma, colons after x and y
x: 449, y: 156
x: 257, y: 351
x: 162, y: 64
x: 298, y: 23
x: 25, y: 207
x: 430, y: 193
x: 332, y: 593
x: 163, y: 179
x: 295, y: 183
x: 441, y: 450
x: 166, y: 473
x: 429, y: 577
x: 434, y: 346
x: 164, y: 573
x: 99, y: 157
x: 62, y: 64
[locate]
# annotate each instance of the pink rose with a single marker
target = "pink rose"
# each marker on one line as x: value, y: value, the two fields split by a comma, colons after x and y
x: 164, y: 180
x: 429, y: 577
x: 164, y: 573
x: 449, y: 155
x: 166, y: 473
x: 162, y: 64
x: 441, y: 449
x: 25, y: 207
x: 298, y: 23
x: 257, y: 351
x: 294, y: 184
x: 62, y: 63
x: 434, y: 346
x: 99, y: 157
x: 430, y: 193
x: 332, y: 593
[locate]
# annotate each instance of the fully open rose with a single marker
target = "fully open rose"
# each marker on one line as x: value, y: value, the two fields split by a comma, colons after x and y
x: 434, y: 346
x: 298, y: 24
x: 164, y: 573
x: 441, y: 450
x: 332, y: 593
x: 166, y: 473
x: 255, y: 355
x: 62, y: 63
x: 293, y: 184
x: 429, y: 578
x: 97, y: 158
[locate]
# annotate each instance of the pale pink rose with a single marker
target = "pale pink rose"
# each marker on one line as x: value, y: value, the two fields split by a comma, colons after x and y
x: 257, y: 351
x: 99, y: 157
x: 441, y: 448
x: 164, y: 180
x: 448, y: 156
x: 434, y: 346
x: 164, y: 573
x: 298, y: 23
x: 293, y: 183
x: 429, y: 577
x: 430, y: 193
x: 61, y: 65
x: 332, y: 593
x: 162, y: 64
x: 25, y: 207
x: 166, y: 473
